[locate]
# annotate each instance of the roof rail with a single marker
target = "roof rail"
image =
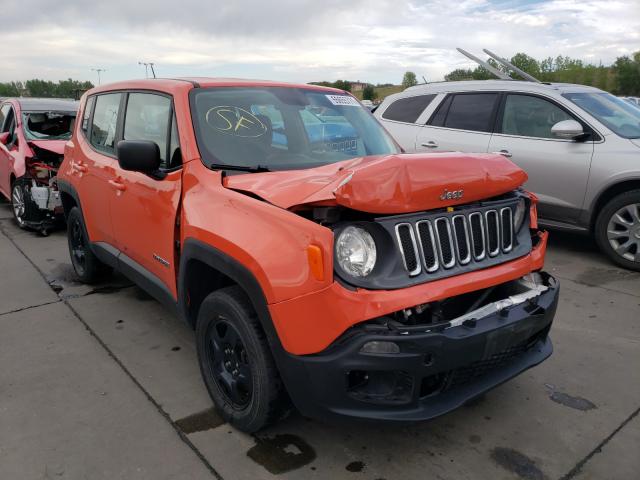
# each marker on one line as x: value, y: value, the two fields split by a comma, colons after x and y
x: 511, y: 66
x: 485, y: 65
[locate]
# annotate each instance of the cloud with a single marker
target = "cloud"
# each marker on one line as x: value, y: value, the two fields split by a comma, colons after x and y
x: 302, y: 40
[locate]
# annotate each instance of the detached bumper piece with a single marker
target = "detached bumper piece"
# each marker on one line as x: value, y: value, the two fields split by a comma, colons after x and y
x: 385, y: 372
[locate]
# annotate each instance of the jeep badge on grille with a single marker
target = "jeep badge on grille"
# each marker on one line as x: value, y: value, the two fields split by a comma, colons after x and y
x: 454, y: 195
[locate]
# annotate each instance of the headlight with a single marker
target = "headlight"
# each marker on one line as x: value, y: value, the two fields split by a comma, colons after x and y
x: 519, y: 215
x: 356, y: 251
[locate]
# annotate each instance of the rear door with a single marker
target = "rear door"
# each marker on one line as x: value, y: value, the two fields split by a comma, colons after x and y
x: 144, y: 209
x: 462, y: 122
x: 558, y: 169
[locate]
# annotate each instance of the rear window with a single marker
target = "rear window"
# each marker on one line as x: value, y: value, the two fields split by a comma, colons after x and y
x: 407, y: 110
x: 469, y: 111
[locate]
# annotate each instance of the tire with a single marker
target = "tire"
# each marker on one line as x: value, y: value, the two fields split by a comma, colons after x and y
x: 87, y: 266
x: 617, y: 229
x: 236, y: 362
x: 20, y: 204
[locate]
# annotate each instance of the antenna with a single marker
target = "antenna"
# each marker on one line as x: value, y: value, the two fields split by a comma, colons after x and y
x: 484, y: 64
x: 148, y: 65
x: 501, y: 60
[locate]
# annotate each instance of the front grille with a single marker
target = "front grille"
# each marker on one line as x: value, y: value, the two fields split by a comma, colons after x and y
x: 445, y: 241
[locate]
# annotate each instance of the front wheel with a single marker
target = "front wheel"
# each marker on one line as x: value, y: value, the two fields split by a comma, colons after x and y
x: 618, y: 229
x: 19, y: 203
x: 236, y: 362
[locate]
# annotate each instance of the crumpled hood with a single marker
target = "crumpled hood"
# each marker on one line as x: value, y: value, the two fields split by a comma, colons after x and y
x: 390, y: 184
x: 54, y: 146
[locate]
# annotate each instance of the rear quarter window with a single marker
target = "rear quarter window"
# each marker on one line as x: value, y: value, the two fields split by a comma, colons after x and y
x: 407, y: 110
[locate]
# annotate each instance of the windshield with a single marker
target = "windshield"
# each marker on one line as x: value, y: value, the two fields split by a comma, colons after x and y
x: 615, y: 113
x: 48, y: 125
x: 281, y: 128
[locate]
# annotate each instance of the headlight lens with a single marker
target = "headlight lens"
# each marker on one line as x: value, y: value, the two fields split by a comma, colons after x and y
x: 519, y: 215
x: 356, y: 251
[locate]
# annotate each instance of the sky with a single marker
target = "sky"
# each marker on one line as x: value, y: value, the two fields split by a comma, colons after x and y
x: 301, y: 40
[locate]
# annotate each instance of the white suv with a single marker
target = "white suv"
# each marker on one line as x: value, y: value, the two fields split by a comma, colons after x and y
x: 579, y: 145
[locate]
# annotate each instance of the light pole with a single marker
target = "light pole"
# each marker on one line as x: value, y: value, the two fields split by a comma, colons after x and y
x: 98, y: 71
x: 148, y: 65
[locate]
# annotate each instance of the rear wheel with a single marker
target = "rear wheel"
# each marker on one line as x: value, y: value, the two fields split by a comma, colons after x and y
x: 618, y: 229
x: 87, y: 266
x: 236, y: 361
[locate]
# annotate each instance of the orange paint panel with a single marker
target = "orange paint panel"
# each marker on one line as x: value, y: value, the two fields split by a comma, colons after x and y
x: 392, y: 184
x: 310, y: 323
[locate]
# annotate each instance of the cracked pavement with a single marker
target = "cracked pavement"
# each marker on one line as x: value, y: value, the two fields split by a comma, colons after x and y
x: 102, y: 382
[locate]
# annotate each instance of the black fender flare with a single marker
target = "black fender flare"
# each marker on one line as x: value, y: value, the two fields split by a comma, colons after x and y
x: 67, y: 188
x: 193, y: 249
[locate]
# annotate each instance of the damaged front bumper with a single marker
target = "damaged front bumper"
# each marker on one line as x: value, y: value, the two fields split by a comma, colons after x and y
x: 423, y: 371
x: 43, y: 205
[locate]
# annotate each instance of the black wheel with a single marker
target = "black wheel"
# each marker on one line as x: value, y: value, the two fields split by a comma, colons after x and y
x: 88, y: 267
x: 236, y: 362
x: 19, y: 202
x: 618, y: 229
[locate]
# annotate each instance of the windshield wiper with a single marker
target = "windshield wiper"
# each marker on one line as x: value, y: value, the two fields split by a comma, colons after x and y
x: 242, y: 168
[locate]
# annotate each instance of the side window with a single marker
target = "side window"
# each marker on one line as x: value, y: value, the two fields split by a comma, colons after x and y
x: 528, y: 116
x: 438, y: 118
x: 4, y: 111
x: 407, y: 110
x: 147, y: 118
x: 10, y: 126
x: 105, y: 120
x: 472, y: 111
x: 86, y: 115
x: 175, y: 155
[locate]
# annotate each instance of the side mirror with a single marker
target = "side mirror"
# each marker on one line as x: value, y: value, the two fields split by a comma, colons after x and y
x: 139, y: 156
x: 4, y: 138
x: 567, y: 129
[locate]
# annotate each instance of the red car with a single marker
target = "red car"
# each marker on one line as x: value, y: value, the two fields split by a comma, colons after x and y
x: 33, y: 132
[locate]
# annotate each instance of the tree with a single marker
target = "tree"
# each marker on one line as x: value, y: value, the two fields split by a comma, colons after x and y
x: 369, y: 93
x: 526, y: 63
x: 342, y: 85
x: 459, y: 74
x: 45, y: 88
x: 409, y: 80
x: 627, y: 72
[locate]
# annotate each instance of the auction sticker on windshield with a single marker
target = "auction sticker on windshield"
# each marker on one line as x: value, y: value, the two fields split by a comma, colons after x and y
x: 343, y: 100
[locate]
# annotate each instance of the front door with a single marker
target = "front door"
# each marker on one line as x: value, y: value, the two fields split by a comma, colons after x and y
x: 558, y: 169
x: 144, y: 209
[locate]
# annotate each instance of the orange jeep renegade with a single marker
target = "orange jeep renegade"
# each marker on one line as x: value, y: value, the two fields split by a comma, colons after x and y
x: 317, y: 263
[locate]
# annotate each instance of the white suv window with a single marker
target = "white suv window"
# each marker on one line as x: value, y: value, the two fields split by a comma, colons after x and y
x: 529, y: 116
x: 407, y: 110
x: 467, y: 111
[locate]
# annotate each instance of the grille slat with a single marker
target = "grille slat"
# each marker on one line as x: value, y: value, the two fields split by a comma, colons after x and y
x: 459, y: 239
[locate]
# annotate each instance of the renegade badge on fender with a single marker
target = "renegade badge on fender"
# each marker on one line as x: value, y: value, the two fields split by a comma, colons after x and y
x: 318, y: 266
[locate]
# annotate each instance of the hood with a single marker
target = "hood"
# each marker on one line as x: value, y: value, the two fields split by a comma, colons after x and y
x: 390, y: 184
x: 54, y: 146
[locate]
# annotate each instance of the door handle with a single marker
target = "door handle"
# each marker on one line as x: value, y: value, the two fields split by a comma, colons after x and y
x: 79, y: 167
x: 430, y: 144
x: 117, y: 185
x: 504, y: 153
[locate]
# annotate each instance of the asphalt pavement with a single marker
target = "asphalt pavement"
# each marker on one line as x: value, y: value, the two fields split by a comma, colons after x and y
x: 101, y: 382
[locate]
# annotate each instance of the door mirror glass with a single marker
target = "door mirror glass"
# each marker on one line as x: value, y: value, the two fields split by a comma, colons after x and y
x: 139, y: 156
x: 567, y: 129
x: 4, y: 138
